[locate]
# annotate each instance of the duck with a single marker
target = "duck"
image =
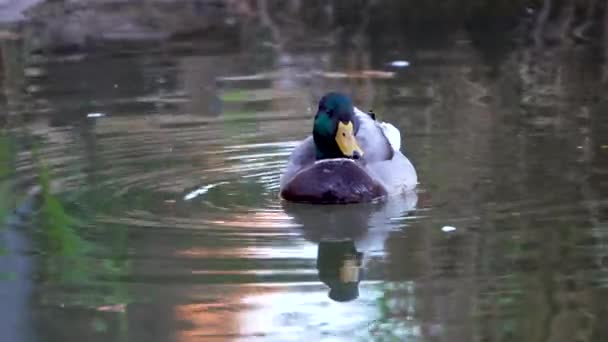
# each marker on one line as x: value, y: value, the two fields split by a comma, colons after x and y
x: 350, y: 157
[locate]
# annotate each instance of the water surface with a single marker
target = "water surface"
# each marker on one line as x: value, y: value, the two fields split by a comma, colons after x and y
x: 146, y: 182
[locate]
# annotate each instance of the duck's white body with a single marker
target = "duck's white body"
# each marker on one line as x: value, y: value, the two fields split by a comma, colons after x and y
x: 382, y: 159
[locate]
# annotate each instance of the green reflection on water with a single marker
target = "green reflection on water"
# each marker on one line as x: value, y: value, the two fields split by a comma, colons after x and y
x: 59, y: 235
x: 6, y: 195
x: 69, y: 258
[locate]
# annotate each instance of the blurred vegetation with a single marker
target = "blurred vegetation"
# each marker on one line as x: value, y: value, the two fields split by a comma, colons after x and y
x: 62, y: 248
x: 6, y: 193
x: 71, y: 256
x: 66, y: 255
x: 290, y: 23
x: 563, y: 20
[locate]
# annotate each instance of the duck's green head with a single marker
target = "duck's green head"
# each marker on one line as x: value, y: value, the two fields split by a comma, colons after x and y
x: 335, y: 128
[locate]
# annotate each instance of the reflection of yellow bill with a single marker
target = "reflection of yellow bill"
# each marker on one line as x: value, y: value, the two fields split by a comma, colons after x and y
x: 349, y: 272
x: 345, y: 137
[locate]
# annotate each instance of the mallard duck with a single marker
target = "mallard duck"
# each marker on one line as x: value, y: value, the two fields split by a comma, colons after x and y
x: 350, y: 157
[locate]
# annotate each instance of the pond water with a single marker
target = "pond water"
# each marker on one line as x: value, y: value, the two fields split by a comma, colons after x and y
x: 141, y: 200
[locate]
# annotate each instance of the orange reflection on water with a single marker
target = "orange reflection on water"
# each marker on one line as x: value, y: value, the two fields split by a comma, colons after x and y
x: 205, y: 320
x: 219, y: 320
x: 266, y: 219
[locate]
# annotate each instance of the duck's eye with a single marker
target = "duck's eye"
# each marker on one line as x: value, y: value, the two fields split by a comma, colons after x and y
x: 343, y: 134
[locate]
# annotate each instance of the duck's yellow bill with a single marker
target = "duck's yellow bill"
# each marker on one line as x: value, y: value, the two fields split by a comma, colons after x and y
x: 345, y: 137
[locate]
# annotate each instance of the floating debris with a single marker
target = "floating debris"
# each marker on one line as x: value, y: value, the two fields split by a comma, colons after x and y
x: 201, y: 191
x: 95, y: 115
x: 112, y: 308
x: 359, y: 74
x: 34, y: 72
x: 448, y: 229
x: 400, y: 64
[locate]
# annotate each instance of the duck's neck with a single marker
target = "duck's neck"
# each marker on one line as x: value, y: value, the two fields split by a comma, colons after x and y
x: 321, y: 154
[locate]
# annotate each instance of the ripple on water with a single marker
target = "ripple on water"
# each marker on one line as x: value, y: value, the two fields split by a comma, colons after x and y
x: 166, y: 182
x: 197, y: 211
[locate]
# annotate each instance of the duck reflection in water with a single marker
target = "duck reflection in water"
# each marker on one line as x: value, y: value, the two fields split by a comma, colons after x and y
x: 348, y: 236
x: 339, y: 265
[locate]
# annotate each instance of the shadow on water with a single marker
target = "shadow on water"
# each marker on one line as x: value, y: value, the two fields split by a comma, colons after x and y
x: 139, y: 179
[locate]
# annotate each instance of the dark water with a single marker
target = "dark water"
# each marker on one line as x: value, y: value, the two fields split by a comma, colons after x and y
x: 146, y: 181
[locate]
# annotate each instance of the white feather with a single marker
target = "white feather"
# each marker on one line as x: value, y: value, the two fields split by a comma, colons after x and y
x: 392, y: 134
